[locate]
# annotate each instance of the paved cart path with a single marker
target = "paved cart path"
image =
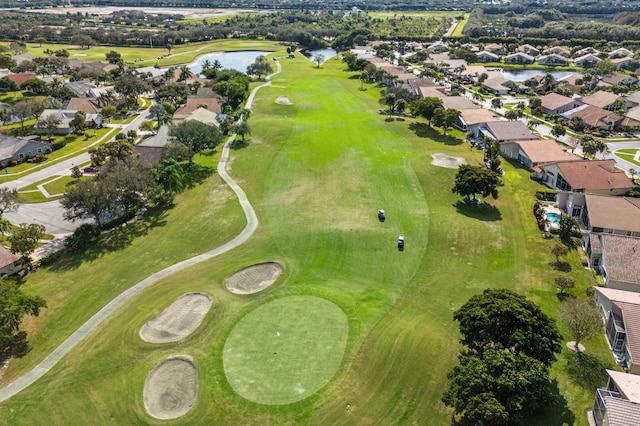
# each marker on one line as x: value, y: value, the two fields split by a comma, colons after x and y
x: 103, y: 314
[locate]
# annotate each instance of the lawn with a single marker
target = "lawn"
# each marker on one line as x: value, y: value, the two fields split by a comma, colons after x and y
x: 317, y: 171
x: 56, y: 187
x: 628, y: 154
x: 457, y: 32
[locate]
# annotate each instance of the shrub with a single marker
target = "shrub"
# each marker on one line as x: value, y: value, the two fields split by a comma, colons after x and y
x: 2, y: 166
x: 13, y: 163
x: 58, y: 145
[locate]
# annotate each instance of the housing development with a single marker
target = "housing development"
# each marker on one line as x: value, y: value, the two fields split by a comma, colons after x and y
x: 342, y: 214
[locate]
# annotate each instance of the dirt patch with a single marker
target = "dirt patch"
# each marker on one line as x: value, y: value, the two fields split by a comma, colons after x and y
x: 171, y: 388
x: 283, y: 100
x: 254, y: 278
x: 448, y: 161
x: 178, y: 320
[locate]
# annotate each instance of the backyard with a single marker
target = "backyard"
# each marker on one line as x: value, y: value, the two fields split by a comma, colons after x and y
x: 317, y: 171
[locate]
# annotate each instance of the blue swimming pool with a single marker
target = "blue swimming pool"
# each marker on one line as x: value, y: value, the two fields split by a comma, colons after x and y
x: 553, y: 218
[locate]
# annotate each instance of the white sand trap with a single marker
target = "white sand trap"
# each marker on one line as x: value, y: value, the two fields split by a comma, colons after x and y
x: 171, y: 388
x: 283, y: 100
x: 80, y: 54
x: 178, y: 320
x: 448, y: 161
x: 254, y: 278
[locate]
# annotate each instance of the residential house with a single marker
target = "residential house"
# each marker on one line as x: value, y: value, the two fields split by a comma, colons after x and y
x: 431, y: 92
x: 20, y: 149
x: 152, y: 72
x: 485, y: 56
x: 150, y: 150
x: 519, y: 58
x: 460, y: 103
x: 617, y: 78
x: 204, y: 115
x: 586, y: 51
x: 533, y: 153
x: 553, y: 60
x: 86, y: 105
x: 438, y: 47
x: 95, y: 92
x: 595, y: 177
x: 554, y: 103
x: 495, y: 48
x: 417, y: 83
x: 557, y: 50
x: 620, y: 265
x: 529, y: 49
x: 194, y: 102
x: 496, y: 83
x: 608, y: 101
x: 587, y: 61
x: 627, y: 62
x: 22, y: 58
x: 66, y: 116
x: 595, y: 117
x: 471, y: 120
x: 506, y: 131
x: 8, y: 262
x: 80, y: 88
x: 604, y: 213
x: 571, y: 82
x: 621, y: 52
x: 471, y: 47
x: 619, y: 403
x: 20, y: 78
x: 472, y: 72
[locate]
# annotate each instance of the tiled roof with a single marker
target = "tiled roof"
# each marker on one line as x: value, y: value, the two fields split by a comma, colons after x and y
x: 511, y: 131
x: 554, y: 101
x: 21, y: 77
x: 609, y: 212
x: 593, y: 175
x: 458, y: 102
x: 87, y: 105
x: 615, y: 295
x: 6, y: 257
x: 600, y: 99
x: 622, y: 262
x: 193, y: 103
x: 627, y: 384
x: 544, y: 151
x: 476, y: 116
x: 621, y: 412
x: 593, y: 116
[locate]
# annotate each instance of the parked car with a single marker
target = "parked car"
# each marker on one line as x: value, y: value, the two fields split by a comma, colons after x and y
x: 381, y: 216
x: 90, y: 169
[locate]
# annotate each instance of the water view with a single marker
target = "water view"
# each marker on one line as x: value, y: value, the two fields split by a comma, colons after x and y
x: 326, y: 52
x: 238, y: 61
x: 522, y: 75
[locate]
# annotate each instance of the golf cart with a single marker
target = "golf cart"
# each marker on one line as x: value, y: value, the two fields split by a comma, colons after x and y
x: 381, y: 216
x: 401, y: 242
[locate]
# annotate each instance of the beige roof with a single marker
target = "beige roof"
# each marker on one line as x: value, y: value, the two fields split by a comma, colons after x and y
x: 600, y: 99
x: 614, y: 212
x: 571, y: 78
x: 615, y: 295
x: 621, y: 412
x: 431, y: 92
x: 587, y: 57
x: 634, y: 113
x: 476, y: 116
x: 554, y: 101
x: 544, y: 151
x: 627, y: 384
x: 474, y: 70
x: 203, y: 115
x: 634, y: 97
x: 458, y: 102
x: 511, y: 131
x: 193, y: 103
x: 593, y: 116
x: 622, y: 262
x: 594, y: 175
x: 88, y: 105
x: 6, y: 257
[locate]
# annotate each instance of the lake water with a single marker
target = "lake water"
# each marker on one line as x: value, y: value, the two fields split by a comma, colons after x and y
x: 327, y: 53
x: 522, y: 75
x: 238, y: 61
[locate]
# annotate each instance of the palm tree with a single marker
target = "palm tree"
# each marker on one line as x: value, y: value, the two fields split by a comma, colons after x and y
x: 107, y: 98
x: 364, y: 76
x: 206, y: 65
x: 549, y: 81
x: 185, y: 73
x: 241, y: 128
x: 216, y: 65
x: 169, y: 174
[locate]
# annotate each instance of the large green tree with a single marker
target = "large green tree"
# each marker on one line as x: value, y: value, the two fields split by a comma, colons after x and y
x: 261, y: 66
x: 425, y: 108
x: 499, y: 387
x: 170, y: 176
x: 500, y: 316
x: 582, y: 319
x: 476, y: 180
x: 196, y: 136
x: 14, y: 305
x: 25, y: 239
x: 445, y: 118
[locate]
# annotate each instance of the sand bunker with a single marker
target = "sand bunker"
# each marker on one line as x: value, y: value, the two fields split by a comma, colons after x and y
x: 283, y: 100
x: 178, y: 320
x: 254, y: 278
x: 171, y: 388
x: 448, y: 161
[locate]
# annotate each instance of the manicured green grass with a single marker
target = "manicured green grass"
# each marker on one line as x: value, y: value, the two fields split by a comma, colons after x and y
x: 316, y: 171
x: 628, y: 154
x: 457, y: 33
x: 286, y: 350
x: 414, y: 14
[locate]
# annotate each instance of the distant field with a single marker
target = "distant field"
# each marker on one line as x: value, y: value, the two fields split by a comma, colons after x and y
x: 457, y: 33
x: 426, y: 14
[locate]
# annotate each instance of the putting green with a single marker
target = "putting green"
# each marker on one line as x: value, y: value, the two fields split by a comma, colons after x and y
x: 285, y: 350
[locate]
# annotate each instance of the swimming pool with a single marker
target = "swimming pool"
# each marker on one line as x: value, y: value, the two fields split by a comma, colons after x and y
x: 553, y: 218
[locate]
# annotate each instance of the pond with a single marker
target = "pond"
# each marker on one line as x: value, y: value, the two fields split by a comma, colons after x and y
x: 522, y: 75
x: 238, y: 61
x: 328, y: 53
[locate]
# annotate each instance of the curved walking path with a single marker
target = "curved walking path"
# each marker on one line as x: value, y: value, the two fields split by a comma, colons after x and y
x: 252, y: 224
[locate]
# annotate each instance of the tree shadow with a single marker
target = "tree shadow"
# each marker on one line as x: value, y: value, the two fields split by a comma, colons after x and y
x: 554, y: 411
x: 423, y: 130
x: 15, y: 346
x: 195, y: 174
x: 564, y: 296
x: 239, y: 144
x: 587, y: 371
x: 561, y: 266
x: 482, y: 211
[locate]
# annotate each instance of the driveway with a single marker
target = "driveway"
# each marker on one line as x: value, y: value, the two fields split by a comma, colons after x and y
x: 49, y: 214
